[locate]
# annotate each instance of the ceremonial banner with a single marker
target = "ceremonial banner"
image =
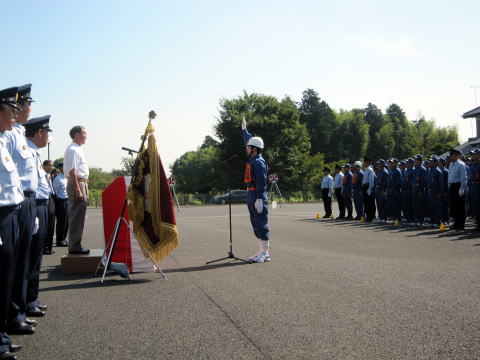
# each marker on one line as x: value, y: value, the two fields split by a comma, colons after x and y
x: 151, y: 207
x: 127, y: 250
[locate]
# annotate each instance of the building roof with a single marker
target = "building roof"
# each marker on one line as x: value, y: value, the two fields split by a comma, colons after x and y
x: 472, y: 113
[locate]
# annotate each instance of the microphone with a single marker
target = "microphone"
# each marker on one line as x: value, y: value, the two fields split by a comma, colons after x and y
x: 230, y: 158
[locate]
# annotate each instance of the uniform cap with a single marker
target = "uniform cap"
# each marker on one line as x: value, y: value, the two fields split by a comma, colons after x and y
x: 476, y: 151
x: 381, y: 161
x: 455, y: 151
x: 256, y: 141
x: 357, y: 163
x: 326, y: 169
x: 403, y: 162
x: 24, y: 92
x: 434, y: 158
x: 442, y: 160
x: 347, y: 165
x: 419, y: 157
x: 38, y: 123
x: 395, y: 160
x: 410, y: 160
x: 9, y: 97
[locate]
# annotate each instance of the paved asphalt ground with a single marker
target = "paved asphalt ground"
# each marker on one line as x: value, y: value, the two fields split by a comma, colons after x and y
x: 333, y: 290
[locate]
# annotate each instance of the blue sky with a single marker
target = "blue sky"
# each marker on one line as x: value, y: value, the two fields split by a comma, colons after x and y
x: 105, y: 64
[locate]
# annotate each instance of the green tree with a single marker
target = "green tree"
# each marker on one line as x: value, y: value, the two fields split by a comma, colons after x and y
x: 374, y: 119
x: 352, y: 135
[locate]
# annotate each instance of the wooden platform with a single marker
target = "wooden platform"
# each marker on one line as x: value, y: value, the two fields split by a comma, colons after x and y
x: 81, y: 264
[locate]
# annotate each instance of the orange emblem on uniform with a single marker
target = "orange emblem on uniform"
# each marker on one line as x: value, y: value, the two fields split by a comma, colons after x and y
x: 7, y: 159
x: 248, y: 174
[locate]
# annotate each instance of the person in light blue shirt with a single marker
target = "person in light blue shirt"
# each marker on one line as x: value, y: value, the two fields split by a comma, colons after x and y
x: 369, y: 190
x: 36, y: 131
x: 61, y: 206
x: 327, y: 192
x: 337, y: 186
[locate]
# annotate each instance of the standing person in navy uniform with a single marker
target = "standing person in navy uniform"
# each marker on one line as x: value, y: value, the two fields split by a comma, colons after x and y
x: 475, y: 186
x: 407, y: 191
x: 256, y: 181
x: 23, y: 158
x: 347, y: 190
x: 419, y: 184
x: 11, y: 197
x: 394, y: 197
x: 357, y: 186
x: 36, y: 131
x: 48, y: 168
x: 435, y: 188
x: 381, y: 182
x: 444, y: 194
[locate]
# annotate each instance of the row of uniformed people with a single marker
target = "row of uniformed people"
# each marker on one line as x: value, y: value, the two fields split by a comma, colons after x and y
x: 412, y: 189
x: 24, y: 197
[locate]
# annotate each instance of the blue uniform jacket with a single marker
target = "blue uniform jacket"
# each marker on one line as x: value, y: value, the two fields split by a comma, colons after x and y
x: 357, y: 180
x: 435, y: 179
x: 474, y: 178
x: 347, y: 183
x: 394, y: 179
x: 445, y: 178
x: 381, y: 180
x: 420, y: 178
x: 407, y: 179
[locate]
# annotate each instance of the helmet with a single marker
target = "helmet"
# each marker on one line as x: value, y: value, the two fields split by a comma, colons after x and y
x: 358, y: 163
x: 256, y: 141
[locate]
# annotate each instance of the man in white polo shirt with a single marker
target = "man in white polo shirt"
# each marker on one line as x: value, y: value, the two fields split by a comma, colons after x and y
x: 76, y: 169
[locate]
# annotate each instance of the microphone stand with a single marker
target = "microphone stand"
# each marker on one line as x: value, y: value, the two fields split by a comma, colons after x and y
x: 230, y: 253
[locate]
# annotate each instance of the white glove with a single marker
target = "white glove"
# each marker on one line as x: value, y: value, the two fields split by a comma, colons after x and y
x: 369, y: 192
x: 36, y: 226
x: 244, y: 124
x: 329, y: 194
x: 259, y: 205
x: 461, y: 192
x: 1, y: 243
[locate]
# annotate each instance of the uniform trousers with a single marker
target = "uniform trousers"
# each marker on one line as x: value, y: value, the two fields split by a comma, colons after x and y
x: 458, y: 205
x: 10, y: 233
x: 369, y: 203
x: 444, y: 205
x: 61, y: 212
x: 77, y: 209
x: 394, y: 204
x: 347, y: 200
x: 358, y: 201
x: 26, y: 223
x: 475, y: 191
x: 327, y: 202
x: 407, y: 205
x: 341, y: 204
x: 51, y: 223
x: 36, y: 254
x: 434, y: 204
x: 259, y: 221
x: 418, y: 201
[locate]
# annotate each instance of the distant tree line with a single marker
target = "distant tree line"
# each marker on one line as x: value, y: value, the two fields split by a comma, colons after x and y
x: 301, y: 138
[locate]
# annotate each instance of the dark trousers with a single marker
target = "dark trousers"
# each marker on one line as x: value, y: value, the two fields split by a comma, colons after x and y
x: 50, y: 224
x: 369, y: 203
x: 9, y: 232
x: 407, y: 205
x: 26, y: 222
x: 61, y: 212
x: 259, y: 221
x: 327, y: 202
x: 358, y: 201
x: 347, y: 200
x: 475, y: 191
x: 458, y: 206
x: 395, y: 204
x: 434, y: 204
x: 418, y: 202
x: 341, y: 204
x: 36, y: 254
x: 381, y: 204
x: 444, y: 204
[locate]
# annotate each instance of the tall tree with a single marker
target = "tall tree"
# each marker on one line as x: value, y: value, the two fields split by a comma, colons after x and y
x: 374, y: 119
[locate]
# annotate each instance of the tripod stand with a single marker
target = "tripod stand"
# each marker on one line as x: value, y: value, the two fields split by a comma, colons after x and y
x: 230, y: 253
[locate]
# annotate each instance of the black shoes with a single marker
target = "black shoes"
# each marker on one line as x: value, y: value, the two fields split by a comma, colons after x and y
x: 31, y: 323
x: 62, y: 243
x: 20, y: 329
x: 36, y: 312
x: 349, y: 217
x: 14, y: 348
x: 48, y: 252
x: 453, y: 227
x: 7, y: 356
x: 82, y: 251
x: 42, y: 307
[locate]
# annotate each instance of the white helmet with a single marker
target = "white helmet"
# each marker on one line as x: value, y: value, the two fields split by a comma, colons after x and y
x: 256, y: 141
x: 358, y: 163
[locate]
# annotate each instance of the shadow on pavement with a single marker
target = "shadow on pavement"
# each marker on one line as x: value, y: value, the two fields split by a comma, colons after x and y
x: 206, y: 267
x: 95, y: 283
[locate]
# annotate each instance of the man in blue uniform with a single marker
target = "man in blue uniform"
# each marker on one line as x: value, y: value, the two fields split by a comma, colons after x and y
x: 256, y: 182
x: 11, y: 197
x: 407, y: 192
x: 419, y: 184
x: 347, y: 190
x: 435, y: 188
x: 357, y: 187
x: 381, y: 191
x: 17, y: 145
x: 393, y: 192
x: 36, y: 131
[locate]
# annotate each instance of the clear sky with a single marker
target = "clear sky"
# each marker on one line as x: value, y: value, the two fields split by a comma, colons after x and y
x: 105, y: 63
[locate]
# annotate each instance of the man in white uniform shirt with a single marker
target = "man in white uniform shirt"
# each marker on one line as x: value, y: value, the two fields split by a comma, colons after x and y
x: 327, y: 192
x: 76, y: 170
